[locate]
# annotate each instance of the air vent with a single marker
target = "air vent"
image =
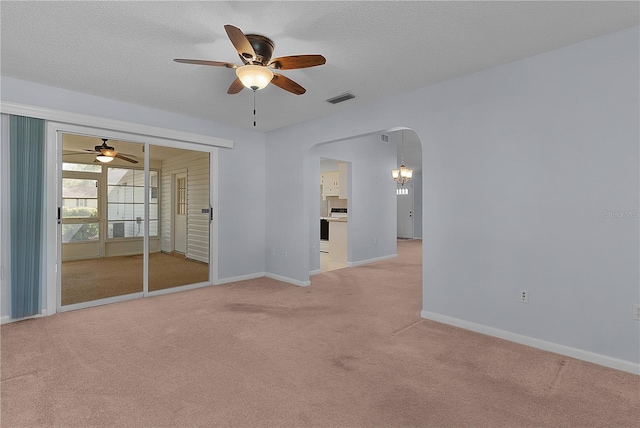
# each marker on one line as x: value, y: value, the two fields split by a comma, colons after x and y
x: 384, y: 138
x: 340, y: 98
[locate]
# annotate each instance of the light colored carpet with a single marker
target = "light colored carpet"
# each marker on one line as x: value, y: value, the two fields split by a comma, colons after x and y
x: 92, y: 279
x: 348, y: 351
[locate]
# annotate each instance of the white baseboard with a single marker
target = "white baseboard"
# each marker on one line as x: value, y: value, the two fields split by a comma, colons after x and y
x: 288, y: 280
x: 240, y: 278
x: 315, y: 272
x: 375, y: 259
x: 603, y: 360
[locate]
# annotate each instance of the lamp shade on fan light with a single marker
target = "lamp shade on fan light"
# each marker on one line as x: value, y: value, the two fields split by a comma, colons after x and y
x: 254, y: 77
x: 104, y: 159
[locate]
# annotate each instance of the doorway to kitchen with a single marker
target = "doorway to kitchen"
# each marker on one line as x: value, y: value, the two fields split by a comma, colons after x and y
x: 372, y: 213
x: 334, y: 208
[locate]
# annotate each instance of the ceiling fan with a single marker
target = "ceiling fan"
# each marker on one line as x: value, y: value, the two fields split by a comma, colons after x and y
x: 106, y: 153
x: 255, y: 53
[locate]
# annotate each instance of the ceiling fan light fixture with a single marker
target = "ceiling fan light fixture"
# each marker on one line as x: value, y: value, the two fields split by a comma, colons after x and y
x: 254, y: 77
x: 104, y: 159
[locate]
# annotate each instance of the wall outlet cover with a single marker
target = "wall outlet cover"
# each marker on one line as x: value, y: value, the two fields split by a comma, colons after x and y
x: 524, y: 296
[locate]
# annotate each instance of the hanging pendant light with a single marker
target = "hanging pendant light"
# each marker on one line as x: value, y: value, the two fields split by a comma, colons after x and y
x: 403, y: 174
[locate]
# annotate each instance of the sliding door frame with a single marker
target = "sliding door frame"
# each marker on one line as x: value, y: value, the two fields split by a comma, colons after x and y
x: 55, y: 130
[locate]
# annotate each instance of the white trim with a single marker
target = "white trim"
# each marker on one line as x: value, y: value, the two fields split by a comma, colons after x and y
x: 315, y: 272
x: 178, y: 289
x: 100, y: 302
x: 112, y: 125
x: 5, y: 225
x: 53, y: 187
x: 603, y: 360
x: 288, y: 280
x: 240, y: 278
x: 375, y: 259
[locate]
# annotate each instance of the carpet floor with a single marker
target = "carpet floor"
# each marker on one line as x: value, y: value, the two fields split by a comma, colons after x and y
x: 93, y: 279
x: 348, y: 351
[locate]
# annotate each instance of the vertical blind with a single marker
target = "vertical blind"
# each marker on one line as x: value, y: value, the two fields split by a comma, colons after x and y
x: 27, y: 151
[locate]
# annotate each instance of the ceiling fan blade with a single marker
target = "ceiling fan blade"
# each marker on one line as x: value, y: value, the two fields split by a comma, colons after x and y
x: 235, y: 87
x: 297, y: 61
x: 204, y: 62
x: 287, y: 84
x: 241, y: 43
x: 119, y: 156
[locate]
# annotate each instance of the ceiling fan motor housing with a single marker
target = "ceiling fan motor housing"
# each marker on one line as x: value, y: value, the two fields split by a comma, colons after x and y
x: 263, y: 47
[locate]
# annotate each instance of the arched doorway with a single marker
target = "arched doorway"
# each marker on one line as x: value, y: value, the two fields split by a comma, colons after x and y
x: 370, y: 199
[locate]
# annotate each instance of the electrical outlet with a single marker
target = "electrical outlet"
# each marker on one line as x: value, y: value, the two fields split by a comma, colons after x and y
x: 273, y: 251
x: 636, y: 312
x: 284, y: 253
x: 524, y: 296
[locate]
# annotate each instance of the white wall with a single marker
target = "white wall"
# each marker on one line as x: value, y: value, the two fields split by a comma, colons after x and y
x: 520, y: 164
x: 372, y: 211
x: 196, y: 166
x: 241, y: 197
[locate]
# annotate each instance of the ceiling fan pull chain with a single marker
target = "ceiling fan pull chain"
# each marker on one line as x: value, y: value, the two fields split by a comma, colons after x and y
x: 254, y: 107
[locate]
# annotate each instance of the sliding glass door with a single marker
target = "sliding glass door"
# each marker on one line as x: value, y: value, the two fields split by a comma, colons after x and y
x: 137, y: 224
x: 102, y: 216
x: 182, y: 201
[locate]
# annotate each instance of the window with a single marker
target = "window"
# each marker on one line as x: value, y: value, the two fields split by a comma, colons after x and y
x: 125, y: 203
x: 181, y: 203
x: 66, y: 166
x: 79, y: 210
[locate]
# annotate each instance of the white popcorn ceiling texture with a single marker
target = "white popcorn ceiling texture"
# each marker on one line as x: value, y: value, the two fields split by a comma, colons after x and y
x: 125, y: 50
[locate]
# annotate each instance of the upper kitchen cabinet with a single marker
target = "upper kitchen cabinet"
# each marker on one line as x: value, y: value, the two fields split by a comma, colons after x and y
x: 342, y: 178
x: 334, y: 183
x: 330, y: 181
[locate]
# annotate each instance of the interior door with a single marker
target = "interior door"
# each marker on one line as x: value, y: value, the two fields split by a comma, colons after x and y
x: 405, y: 212
x: 180, y: 213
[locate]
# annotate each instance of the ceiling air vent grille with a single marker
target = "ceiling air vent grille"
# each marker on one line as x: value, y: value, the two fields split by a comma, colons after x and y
x: 340, y: 98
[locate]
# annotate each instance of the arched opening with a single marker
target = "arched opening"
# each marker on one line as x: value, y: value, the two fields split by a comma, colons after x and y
x: 368, y: 198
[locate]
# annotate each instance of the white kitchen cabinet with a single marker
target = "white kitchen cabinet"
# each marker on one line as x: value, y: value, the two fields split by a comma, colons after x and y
x: 330, y: 181
x: 342, y: 178
x: 338, y: 241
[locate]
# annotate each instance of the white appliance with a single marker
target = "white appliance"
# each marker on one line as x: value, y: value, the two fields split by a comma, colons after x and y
x: 339, y: 212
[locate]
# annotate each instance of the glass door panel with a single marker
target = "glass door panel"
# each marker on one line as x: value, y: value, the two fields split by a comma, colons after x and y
x: 178, y: 217
x: 102, y: 216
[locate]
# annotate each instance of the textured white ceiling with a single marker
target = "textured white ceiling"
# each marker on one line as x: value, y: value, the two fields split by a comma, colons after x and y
x: 125, y: 50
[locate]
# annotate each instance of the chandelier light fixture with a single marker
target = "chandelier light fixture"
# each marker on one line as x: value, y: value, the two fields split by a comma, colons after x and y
x: 403, y: 174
